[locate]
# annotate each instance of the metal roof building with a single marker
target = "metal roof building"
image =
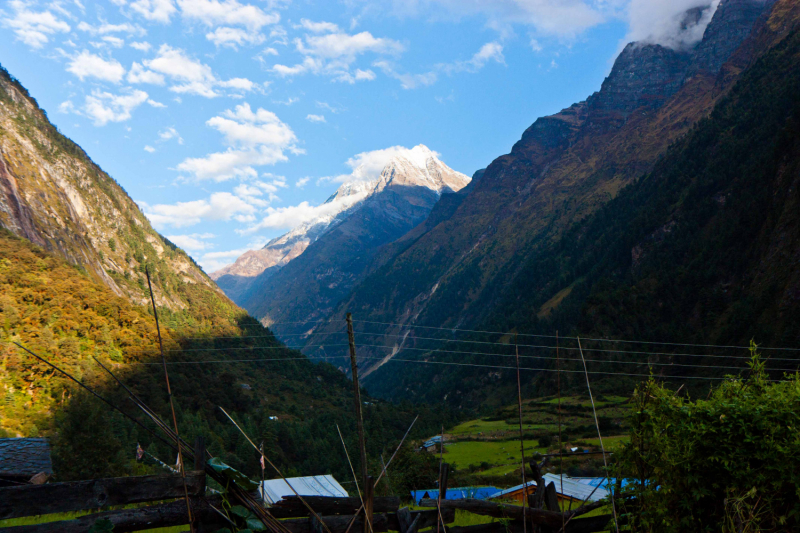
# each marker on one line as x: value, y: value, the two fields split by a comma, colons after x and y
x: 573, y: 488
x: 457, y: 493
x: 275, y: 489
x: 21, y: 459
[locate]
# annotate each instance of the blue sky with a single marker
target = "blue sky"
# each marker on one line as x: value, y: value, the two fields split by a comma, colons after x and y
x: 226, y: 119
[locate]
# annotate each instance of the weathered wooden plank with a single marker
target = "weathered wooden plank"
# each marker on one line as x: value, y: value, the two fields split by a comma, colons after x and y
x: 291, y: 506
x: 427, y: 518
x: 30, y: 500
x: 576, y: 525
x: 551, y: 498
x: 589, y: 524
x: 337, y: 524
x: 499, y: 510
x: 125, y: 520
x: 369, y: 507
x: 404, y: 520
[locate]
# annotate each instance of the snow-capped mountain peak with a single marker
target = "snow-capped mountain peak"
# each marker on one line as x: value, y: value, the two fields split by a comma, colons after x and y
x: 407, y: 169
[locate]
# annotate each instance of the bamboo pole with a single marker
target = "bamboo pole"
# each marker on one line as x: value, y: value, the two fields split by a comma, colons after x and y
x: 521, y: 437
x: 171, y: 403
x: 357, y: 392
x: 599, y: 437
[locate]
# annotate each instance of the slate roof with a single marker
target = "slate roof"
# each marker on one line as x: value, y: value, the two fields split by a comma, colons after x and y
x: 24, y: 457
x: 275, y: 489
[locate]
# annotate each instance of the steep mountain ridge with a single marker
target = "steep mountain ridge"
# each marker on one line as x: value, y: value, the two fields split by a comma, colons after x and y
x: 53, y: 194
x: 562, y: 170
x: 703, y: 249
x: 237, y: 278
x: 307, y: 288
x: 420, y: 168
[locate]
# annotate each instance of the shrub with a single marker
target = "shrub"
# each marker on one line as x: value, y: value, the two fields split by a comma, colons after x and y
x: 727, y: 459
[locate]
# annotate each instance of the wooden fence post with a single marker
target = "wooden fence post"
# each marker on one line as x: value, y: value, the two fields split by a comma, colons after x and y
x: 199, y: 453
x: 369, y: 493
x: 443, y: 474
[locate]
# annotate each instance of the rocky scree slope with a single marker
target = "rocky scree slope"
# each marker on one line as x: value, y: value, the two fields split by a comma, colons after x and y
x: 564, y: 168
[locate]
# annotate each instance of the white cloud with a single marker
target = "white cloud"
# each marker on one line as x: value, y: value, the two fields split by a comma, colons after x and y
x: 234, y: 37
x: 329, y: 107
x: 106, y: 28
x: 242, y: 84
x: 191, y: 76
x: 219, y: 206
x: 193, y: 242
x: 170, y: 133
x: 141, y: 46
x: 153, y: 103
x: 104, y: 107
x: 407, y: 81
x: 213, y: 261
x: 88, y: 65
x: 227, y: 13
x: 492, y: 51
x: 155, y: 10
x: 318, y: 27
x: 293, y: 216
x: 367, y: 166
x: 334, y: 53
x: 139, y: 74
x: 302, y: 182
x: 148, y: 148
x: 254, y: 139
x: 289, y: 101
x: 116, y: 42
x: 33, y: 28
x: 364, y: 75
x: 664, y: 22
x: 560, y: 18
x: 315, y: 118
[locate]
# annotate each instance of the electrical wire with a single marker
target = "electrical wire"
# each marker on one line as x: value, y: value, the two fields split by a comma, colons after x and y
x: 575, y: 338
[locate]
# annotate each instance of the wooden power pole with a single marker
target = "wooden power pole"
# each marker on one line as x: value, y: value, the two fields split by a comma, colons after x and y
x: 357, y: 390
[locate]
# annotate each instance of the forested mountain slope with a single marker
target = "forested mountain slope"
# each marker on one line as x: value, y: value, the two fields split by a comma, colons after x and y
x: 467, y: 270
x: 73, y: 252
x: 703, y: 249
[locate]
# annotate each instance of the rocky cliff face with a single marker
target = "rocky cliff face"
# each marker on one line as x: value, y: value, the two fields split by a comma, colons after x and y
x: 52, y: 194
x: 562, y: 170
x: 308, y: 287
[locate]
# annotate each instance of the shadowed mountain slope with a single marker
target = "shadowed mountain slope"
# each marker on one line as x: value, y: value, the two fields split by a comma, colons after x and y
x: 465, y: 270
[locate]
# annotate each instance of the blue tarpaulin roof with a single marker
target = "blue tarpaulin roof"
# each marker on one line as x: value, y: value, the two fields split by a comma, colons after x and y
x: 457, y: 493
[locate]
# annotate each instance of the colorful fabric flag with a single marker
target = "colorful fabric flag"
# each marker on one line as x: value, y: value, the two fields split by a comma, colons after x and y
x: 262, y: 463
x: 139, y: 452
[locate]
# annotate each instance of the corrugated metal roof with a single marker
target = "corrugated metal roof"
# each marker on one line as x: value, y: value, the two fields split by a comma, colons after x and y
x: 24, y: 457
x: 457, y: 493
x: 432, y: 441
x: 275, y: 489
x: 573, y: 488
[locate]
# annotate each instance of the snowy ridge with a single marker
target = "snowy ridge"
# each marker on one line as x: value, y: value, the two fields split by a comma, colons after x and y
x: 418, y: 167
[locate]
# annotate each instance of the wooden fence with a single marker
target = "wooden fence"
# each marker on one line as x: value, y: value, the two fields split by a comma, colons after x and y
x: 165, y: 494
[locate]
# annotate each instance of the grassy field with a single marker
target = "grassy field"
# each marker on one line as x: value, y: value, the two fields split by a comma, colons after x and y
x: 487, y: 449
x: 43, y: 519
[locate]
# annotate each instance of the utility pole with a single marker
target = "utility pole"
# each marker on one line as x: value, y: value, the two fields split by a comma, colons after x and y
x: 356, y: 389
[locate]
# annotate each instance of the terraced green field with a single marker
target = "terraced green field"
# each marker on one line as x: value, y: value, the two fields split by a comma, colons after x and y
x: 489, y: 447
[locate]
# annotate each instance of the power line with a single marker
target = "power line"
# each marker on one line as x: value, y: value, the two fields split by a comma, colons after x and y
x: 573, y: 338
x: 411, y: 337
